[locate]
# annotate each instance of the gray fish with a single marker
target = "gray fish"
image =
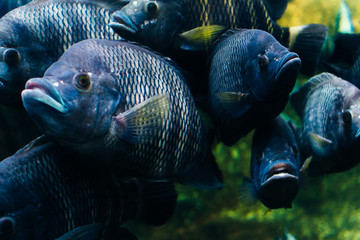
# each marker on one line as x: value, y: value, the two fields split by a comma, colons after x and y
x: 251, y: 77
x: 44, y: 194
x: 165, y: 25
x: 8, y: 5
x: 128, y: 106
x: 329, y: 109
x: 275, y: 165
x: 35, y: 35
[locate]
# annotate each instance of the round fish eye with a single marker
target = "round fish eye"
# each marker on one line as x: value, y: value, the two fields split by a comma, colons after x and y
x: 151, y: 7
x: 11, y: 56
x: 263, y: 61
x: 7, y: 226
x: 347, y: 117
x: 83, y: 81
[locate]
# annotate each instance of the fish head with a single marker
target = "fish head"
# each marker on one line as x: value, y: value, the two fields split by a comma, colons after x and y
x: 154, y: 23
x: 75, y: 100
x: 20, y: 59
x: 277, y: 174
x: 271, y: 70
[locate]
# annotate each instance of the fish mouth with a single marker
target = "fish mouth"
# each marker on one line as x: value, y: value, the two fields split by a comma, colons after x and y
x: 280, y: 171
x: 43, y: 91
x: 289, y: 64
x: 121, y: 23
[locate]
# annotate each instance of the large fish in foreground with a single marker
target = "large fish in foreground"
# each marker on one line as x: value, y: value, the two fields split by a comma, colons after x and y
x: 128, y: 106
x: 45, y: 194
x: 35, y: 35
x: 275, y: 165
x: 330, y: 133
x: 167, y: 25
x: 251, y: 77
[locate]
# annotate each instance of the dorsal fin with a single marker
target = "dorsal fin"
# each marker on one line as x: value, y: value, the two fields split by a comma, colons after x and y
x: 298, y: 98
x: 276, y: 8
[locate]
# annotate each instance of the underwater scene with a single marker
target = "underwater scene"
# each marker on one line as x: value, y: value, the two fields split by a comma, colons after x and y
x: 179, y: 119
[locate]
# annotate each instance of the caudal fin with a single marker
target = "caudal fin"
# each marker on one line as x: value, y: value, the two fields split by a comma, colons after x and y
x: 307, y: 41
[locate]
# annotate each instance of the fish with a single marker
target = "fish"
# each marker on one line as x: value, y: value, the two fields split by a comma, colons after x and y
x: 35, y: 35
x: 127, y: 105
x: 328, y: 107
x: 46, y: 194
x: 250, y: 78
x: 275, y: 165
x: 165, y: 25
x: 8, y: 5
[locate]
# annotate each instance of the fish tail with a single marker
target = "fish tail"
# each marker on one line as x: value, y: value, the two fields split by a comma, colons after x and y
x: 157, y: 201
x: 307, y: 42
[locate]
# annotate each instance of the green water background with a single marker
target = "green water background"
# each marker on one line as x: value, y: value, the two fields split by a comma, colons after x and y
x: 325, y: 208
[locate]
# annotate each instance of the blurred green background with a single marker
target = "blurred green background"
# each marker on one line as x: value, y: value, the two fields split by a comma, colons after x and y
x: 325, y: 208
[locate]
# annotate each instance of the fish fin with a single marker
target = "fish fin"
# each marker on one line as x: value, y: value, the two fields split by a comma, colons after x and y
x: 158, y: 201
x: 298, y: 98
x: 237, y: 103
x: 276, y: 8
x: 319, y: 144
x: 307, y: 42
x: 200, y: 38
x: 86, y: 232
x: 248, y: 192
x: 142, y: 122
x: 202, y: 175
x: 305, y: 165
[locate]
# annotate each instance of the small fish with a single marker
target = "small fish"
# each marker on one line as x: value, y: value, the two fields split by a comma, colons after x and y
x: 35, y: 35
x: 275, y: 165
x: 8, y: 5
x: 45, y: 194
x: 251, y: 77
x: 128, y: 106
x: 164, y: 24
x: 330, y: 133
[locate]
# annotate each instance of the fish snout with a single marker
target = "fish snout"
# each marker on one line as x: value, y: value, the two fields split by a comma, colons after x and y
x: 287, y: 71
x: 122, y: 24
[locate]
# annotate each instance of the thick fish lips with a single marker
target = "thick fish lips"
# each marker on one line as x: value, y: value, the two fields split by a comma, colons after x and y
x: 122, y: 24
x: 287, y: 71
x: 280, y: 186
x: 44, y: 92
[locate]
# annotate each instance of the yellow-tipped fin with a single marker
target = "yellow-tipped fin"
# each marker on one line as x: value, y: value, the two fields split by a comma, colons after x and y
x: 319, y: 144
x: 238, y: 103
x: 200, y: 38
x: 305, y: 165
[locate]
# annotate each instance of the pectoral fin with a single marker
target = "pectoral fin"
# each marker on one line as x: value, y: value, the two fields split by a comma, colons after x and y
x: 237, y: 102
x: 200, y: 38
x: 248, y: 192
x: 144, y: 121
x: 86, y: 232
x: 319, y: 144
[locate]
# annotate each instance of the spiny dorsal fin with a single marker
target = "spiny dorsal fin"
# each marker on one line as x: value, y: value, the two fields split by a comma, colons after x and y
x: 298, y: 99
x: 276, y: 8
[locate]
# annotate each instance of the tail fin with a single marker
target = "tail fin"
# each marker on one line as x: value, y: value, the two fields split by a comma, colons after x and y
x: 307, y: 41
x: 157, y: 201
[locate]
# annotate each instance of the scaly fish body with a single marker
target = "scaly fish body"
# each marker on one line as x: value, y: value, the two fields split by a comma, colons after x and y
x: 46, y: 195
x: 329, y: 109
x: 35, y: 35
x: 161, y: 24
x: 251, y: 76
x: 275, y: 165
x: 127, y: 105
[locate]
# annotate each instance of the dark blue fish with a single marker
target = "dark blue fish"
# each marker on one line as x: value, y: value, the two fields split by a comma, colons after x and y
x: 128, y: 106
x: 45, y: 194
x: 35, y: 35
x: 330, y: 133
x: 251, y: 76
x: 275, y: 165
x: 170, y: 25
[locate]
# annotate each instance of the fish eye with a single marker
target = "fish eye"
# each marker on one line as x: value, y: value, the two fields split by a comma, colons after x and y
x: 83, y: 81
x: 7, y: 226
x: 151, y: 7
x: 11, y: 56
x: 347, y: 117
x: 263, y: 61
